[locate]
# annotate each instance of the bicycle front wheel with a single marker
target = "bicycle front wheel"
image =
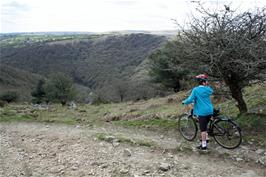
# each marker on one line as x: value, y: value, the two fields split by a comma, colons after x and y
x: 187, y: 127
x: 227, y: 134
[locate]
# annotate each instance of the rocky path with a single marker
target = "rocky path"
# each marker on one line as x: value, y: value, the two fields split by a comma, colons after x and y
x: 38, y: 149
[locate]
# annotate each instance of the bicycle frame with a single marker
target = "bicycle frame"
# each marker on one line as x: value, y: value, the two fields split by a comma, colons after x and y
x: 221, y: 130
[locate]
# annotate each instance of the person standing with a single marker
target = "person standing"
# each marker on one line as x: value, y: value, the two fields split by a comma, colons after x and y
x: 203, y: 108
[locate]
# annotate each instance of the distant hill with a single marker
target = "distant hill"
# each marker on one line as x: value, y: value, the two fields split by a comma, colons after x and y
x: 93, y: 61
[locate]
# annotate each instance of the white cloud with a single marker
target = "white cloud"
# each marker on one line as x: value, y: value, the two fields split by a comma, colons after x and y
x: 100, y: 15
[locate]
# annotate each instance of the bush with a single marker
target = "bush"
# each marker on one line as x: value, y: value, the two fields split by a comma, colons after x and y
x: 255, y: 122
x: 9, y: 96
x: 38, y: 93
x: 59, y: 88
x: 2, y: 103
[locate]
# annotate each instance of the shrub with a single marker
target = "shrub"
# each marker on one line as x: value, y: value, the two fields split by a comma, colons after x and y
x: 9, y: 96
x: 2, y: 103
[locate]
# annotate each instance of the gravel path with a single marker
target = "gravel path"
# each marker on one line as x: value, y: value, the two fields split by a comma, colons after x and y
x: 38, y: 149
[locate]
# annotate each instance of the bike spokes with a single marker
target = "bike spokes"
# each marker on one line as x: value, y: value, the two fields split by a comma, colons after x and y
x: 187, y: 127
x: 227, y: 134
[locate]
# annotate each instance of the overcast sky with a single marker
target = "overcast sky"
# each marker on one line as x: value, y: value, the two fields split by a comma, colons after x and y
x: 102, y: 15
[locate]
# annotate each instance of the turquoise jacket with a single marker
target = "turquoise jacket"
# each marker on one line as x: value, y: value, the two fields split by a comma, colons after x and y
x: 201, y: 97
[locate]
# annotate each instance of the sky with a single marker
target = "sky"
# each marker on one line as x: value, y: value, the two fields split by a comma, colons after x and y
x: 103, y: 15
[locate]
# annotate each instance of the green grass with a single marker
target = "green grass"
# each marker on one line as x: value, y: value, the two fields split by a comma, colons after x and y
x: 158, y: 113
x: 8, y: 117
x: 255, y: 97
x: 19, y: 40
x: 252, y: 121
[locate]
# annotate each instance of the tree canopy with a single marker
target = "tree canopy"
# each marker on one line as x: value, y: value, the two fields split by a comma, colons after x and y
x: 226, y: 45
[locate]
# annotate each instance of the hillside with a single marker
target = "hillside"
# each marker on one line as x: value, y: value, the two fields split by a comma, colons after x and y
x: 93, y: 61
x: 17, y: 80
x: 133, y: 133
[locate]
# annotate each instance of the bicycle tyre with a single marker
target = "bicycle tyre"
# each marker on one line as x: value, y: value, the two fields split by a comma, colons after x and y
x: 227, y: 133
x: 187, y: 127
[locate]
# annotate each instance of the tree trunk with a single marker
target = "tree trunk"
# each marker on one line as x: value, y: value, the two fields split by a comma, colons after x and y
x: 238, y: 96
x: 177, y: 86
x: 63, y: 102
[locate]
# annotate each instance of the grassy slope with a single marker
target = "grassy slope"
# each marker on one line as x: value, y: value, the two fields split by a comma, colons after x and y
x: 92, y: 61
x: 17, y: 80
x: 157, y: 113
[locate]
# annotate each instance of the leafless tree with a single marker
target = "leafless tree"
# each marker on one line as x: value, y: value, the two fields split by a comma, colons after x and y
x: 227, y: 45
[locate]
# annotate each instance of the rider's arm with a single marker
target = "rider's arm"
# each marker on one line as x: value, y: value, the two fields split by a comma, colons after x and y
x: 190, y: 99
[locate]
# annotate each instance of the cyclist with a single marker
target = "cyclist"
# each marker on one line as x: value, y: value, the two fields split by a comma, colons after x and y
x: 203, y: 108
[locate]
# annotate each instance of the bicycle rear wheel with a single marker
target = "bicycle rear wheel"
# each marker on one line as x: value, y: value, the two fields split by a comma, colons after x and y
x: 227, y: 134
x: 187, y: 127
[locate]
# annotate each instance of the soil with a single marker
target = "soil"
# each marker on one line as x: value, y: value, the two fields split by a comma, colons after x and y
x: 40, y: 149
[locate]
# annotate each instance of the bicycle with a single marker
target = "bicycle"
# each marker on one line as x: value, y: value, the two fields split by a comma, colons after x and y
x: 224, y: 130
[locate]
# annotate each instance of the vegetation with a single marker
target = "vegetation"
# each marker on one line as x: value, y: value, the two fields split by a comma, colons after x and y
x: 155, y: 114
x: 9, y: 96
x: 92, y: 61
x: 58, y: 88
x: 39, y: 93
x: 167, y: 67
x: 17, y: 80
x: 226, y: 45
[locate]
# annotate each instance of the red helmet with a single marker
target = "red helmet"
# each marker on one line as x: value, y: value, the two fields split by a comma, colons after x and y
x: 201, y: 77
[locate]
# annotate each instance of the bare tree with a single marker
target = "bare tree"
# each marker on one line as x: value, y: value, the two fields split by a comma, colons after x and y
x: 228, y: 46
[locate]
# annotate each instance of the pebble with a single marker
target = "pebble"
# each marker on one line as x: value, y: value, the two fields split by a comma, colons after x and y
x: 248, y: 173
x: 146, y: 172
x: 164, y: 167
x: 115, y: 144
x: 238, y: 159
x: 124, y: 171
x: 104, y: 166
x: 262, y: 160
x: 127, y: 153
x: 259, y: 151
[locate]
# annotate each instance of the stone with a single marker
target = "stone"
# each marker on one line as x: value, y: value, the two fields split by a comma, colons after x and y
x: 238, y: 159
x: 74, y: 167
x: 146, y: 172
x: 124, y: 171
x: 262, y: 160
x: 115, y: 144
x: 164, y: 167
x: 248, y: 173
x: 259, y: 151
x: 72, y: 105
x: 104, y: 166
x: 171, y: 156
x: 127, y: 153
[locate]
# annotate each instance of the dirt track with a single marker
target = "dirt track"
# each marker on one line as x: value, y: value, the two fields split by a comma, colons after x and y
x: 38, y: 149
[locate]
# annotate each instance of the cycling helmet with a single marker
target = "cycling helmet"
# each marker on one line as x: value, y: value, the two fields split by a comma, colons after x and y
x: 201, y: 77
